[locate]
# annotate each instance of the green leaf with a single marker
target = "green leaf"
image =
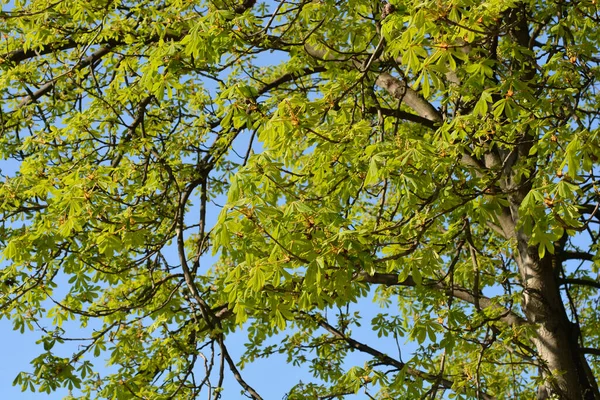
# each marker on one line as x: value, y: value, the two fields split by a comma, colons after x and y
x: 372, y: 174
x: 416, y: 274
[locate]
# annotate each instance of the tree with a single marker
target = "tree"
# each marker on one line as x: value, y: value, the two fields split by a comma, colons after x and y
x: 439, y: 157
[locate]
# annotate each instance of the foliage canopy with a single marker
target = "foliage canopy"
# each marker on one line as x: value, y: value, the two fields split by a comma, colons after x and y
x: 438, y: 157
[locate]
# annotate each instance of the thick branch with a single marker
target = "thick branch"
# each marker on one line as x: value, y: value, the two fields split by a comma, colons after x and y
x: 458, y: 292
x: 50, y: 85
x: 17, y: 56
x: 394, y: 86
x: 285, y: 78
x: 581, y: 281
x: 590, y: 350
x: 401, y: 91
x: 576, y: 255
x: 404, y: 115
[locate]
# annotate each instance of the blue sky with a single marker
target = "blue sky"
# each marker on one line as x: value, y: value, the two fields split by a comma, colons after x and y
x: 272, y: 377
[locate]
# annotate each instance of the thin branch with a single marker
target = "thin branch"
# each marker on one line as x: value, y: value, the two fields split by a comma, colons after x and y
x: 446, y: 383
x: 235, y: 371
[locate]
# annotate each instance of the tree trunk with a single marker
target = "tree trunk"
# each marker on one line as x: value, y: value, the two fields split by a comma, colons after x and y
x: 564, y: 369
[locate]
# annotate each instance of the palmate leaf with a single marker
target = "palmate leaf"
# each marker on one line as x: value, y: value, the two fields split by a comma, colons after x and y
x: 187, y: 187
